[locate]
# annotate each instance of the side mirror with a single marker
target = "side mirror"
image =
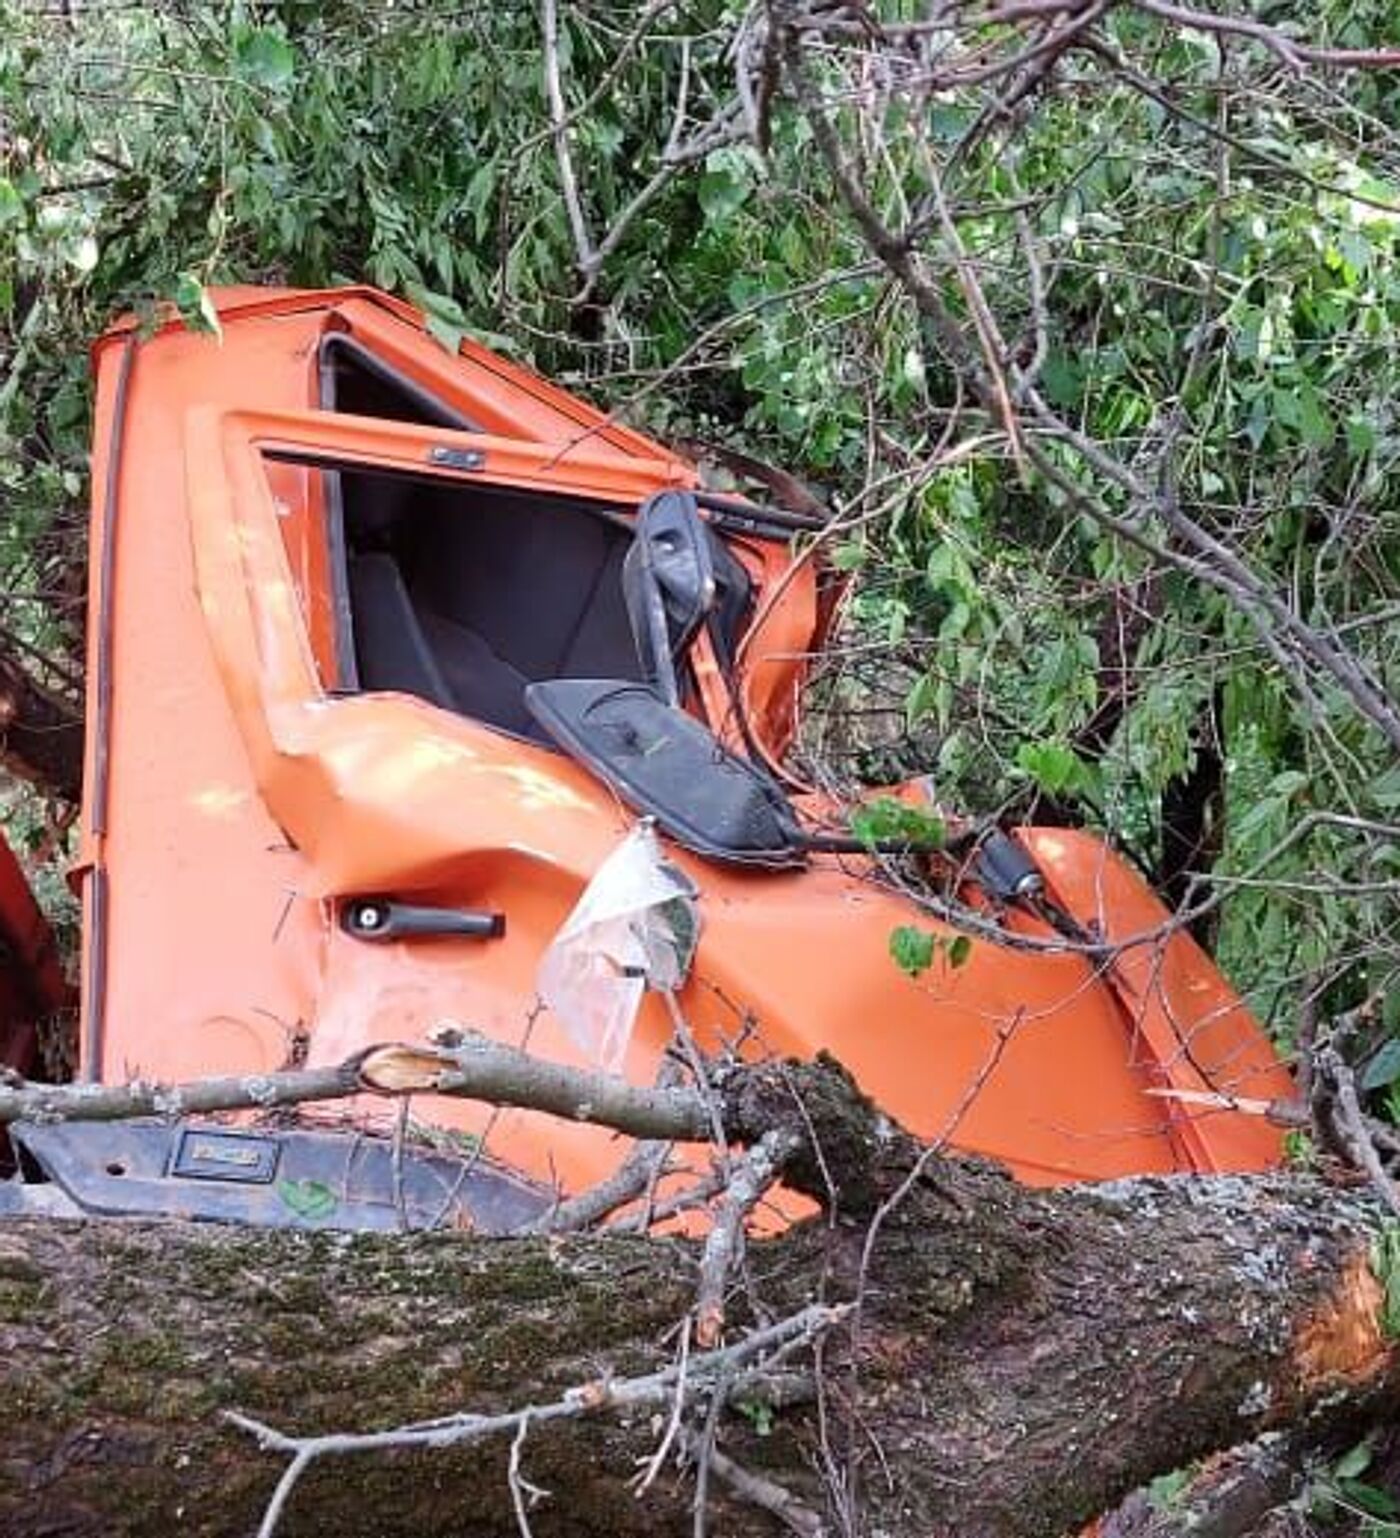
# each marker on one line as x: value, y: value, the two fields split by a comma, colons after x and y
x: 668, y: 584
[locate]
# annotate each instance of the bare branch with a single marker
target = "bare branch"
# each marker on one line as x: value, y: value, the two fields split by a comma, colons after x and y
x: 24, y: 1101
x: 607, y: 1394
x: 760, y: 1491
x: 638, y: 1171
x: 751, y: 1177
x: 522, y: 1493
x: 676, y: 155
x: 672, y: 1204
x: 1349, y: 1123
x: 559, y: 118
x: 472, y: 1068
x: 654, y: 10
x: 1294, y: 53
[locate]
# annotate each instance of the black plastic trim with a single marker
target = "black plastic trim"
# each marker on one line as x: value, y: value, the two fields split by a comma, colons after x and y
x: 95, y: 1002
x: 294, y: 1177
x: 667, y: 765
x: 740, y: 516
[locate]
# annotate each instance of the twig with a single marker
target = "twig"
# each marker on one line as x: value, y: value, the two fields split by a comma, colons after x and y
x: 931, y: 1151
x: 1350, y: 1123
x: 563, y: 153
x: 702, y: 1453
x: 719, y: 133
x: 658, y: 1458
x: 971, y: 1093
x: 280, y: 1496
x: 1293, y: 53
x: 762, y: 1492
x: 697, y: 1195
x: 523, y: 1494
x: 749, y: 1178
x: 400, y: 1134
x: 636, y: 1176
x: 654, y: 10
x: 695, y: 1059
x: 629, y: 1180
x: 587, y: 1399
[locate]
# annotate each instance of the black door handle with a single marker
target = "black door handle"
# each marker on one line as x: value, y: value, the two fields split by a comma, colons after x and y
x: 379, y: 918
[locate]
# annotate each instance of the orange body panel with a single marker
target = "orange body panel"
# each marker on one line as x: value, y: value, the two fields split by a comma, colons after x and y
x: 243, y: 798
x: 32, y: 984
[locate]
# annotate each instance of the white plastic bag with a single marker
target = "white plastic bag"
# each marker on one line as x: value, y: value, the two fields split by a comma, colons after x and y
x: 634, y: 928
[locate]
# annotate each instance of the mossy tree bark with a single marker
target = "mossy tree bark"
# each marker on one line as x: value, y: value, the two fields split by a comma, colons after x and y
x: 1020, y: 1360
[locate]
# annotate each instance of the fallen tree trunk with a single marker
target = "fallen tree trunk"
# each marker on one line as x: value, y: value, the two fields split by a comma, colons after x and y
x: 1017, y: 1362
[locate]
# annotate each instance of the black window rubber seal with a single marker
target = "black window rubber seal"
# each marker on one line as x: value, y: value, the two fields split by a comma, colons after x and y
x: 437, y: 410
x: 95, y: 1003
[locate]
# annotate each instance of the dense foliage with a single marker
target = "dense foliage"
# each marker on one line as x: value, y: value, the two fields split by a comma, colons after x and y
x: 1191, y: 244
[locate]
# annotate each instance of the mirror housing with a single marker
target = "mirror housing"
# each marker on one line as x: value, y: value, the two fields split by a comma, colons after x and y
x: 668, y: 584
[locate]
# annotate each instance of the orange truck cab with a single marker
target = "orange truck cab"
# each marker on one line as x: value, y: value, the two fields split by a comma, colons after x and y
x: 390, y: 648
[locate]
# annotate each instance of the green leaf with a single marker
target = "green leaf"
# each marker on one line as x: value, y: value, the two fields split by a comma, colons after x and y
x: 848, y: 557
x: 478, y: 198
x: 912, y: 949
x: 1370, y: 1498
x: 11, y: 203
x: 1384, y: 1067
x: 309, y: 1199
x: 1256, y: 429
x: 81, y: 254
x: 955, y: 622
x: 723, y: 186
x: 1356, y: 1462
x: 1299, y: 1150
x: 263, y: 57
x: 447, y: 324
x: 1288, y: 783
x: 1063, y: 379
x: 924, y: 699
x: 721, y: 195
x: 888, y: 821
x: 1165, y: 1491
x: 196, y: 307
x: 1385, y: 1262
x: 758, y: 1413
x: 1385, y: 788
x: 958, y: 949
x: 1054, y: 766
x: 1362, y: 436
x: 1314, y: 422
x: 446, y: 334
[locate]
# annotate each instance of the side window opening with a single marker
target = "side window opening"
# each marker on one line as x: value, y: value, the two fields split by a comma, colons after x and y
x: 463, y: 593
x: 356, y: 381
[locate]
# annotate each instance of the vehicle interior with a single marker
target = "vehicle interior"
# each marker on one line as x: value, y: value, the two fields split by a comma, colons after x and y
x: 464, y: 594
x: 558, y: 619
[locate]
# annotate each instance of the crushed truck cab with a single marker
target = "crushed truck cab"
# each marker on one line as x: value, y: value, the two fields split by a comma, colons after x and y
x: 381, y: 635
